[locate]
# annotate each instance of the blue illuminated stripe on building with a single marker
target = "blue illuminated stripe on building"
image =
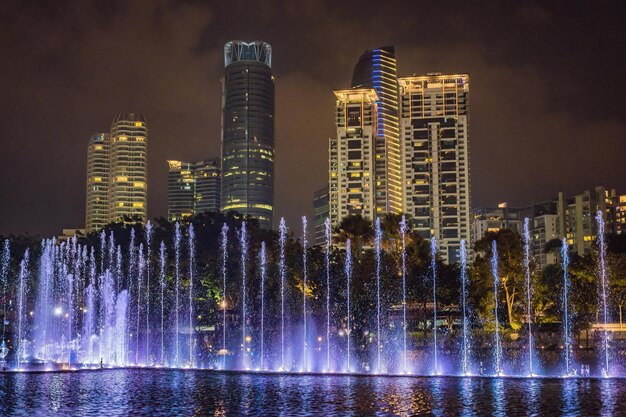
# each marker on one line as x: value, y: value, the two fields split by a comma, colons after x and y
x: 377, y: 84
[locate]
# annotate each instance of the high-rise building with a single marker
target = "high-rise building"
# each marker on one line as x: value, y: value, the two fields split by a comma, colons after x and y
x: 352, y: 186
x: 544, y: 229
x: 376, y: 69
x: 192, y: 188
x: 98, y: 170
x: 248, y: 130
x: 577, y: 217
x: 208, y: 183
x: 493, y: 219
x: 117, y: 173
x: 434, y: 125
x: 180, y: 190
x: 320, y: 214
x: 128, y: 185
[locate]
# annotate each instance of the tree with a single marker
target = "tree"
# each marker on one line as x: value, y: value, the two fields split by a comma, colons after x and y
x: 510, y: 267
x: 356, y: 228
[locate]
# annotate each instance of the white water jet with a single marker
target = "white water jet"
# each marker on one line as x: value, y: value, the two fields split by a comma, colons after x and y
x: 327, y: 262
x: 567, y: 336
x: 496, y: 281
x: 304, y: 289
x: 148, y: 270
x: 526, y: 238
x: 262, y: 261
x: 433, y: 269
x: 243, y: 240
x: 177, y: 238
x: 348, y: 271
x: 281, y: 266
x: 403, y: 229
x: 463, y: 253
x: 603, y: 287
x: 192, y: 268
x: 224, y: 246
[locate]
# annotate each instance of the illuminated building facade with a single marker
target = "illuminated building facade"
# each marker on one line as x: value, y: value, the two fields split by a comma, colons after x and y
x: 577, y: 217
x: 98, y: 170
x: 376, y: 69
x: 117, y: 173
x: 248, y: 131
x: 493, y: 219
x: 180, y: 190
x: 208, y: 183
x: 128, y: 185
x: 192, y: 188
x: 352, y: 185
x: 320, y: 214
x: 434, y: 128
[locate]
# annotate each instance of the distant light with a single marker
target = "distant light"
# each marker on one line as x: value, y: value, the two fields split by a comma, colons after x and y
x: 58, y: 311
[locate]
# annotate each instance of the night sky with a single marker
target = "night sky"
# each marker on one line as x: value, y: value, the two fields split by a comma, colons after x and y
x: 548, y: 94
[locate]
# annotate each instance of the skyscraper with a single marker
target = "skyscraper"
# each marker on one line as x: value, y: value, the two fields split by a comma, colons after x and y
x: 248, y: 130
x: 180, y: 190
x: 192, y: 188
x: 128, y: 185
x: 376, y: 69
x: 320, y: 214
x: 434, y: 123
x: 98, y: 170
x: 117, y: 173
x: 352, y: 183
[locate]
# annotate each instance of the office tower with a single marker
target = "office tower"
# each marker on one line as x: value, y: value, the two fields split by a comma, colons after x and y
x: 128, y: 185
x: 376, y: 69
x: 248, y: 130
x: 98, y: 168
x: 208, y: 184
x: 320, y: 214
x: 192, y: 188
x: 434, y: 121
x: 180, y: 190
x: 352, y: 184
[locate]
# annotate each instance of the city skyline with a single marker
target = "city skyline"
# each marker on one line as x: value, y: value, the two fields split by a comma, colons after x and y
x: 530, y: 136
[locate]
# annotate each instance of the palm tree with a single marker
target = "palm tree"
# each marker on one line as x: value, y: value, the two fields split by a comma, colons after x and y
x: 356, y: 228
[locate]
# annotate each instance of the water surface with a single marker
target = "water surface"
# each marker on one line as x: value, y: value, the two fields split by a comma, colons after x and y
x: 154, y: 392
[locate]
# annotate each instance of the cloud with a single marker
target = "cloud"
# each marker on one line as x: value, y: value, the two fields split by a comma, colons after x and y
x: 546, y: 113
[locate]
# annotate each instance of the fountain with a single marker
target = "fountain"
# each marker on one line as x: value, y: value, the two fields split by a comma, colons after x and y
x: 5, y: 258
x: 526, y: 239
x: 496, y: 281
x: 243, y: 241
x: 603, y: 287
x: 281, y: 266
x: 327, y: 264
x: 192, y: 263
x: 567, y: 342
x: 304, y: 289
x: 465, y: 362
x: 76, y: 305
x: 162, y: 286
x: 348, y: 271
x: 433, y: 269
x: 21, y: 343
x: 378, y: 238
x: 148, y: 262
x: 177, y: 238
x: 403, y: 228
x: 224, y: 249
x: 262, y: 261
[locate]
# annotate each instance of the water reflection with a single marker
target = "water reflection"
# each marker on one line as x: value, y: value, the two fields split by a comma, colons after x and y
x: 186, y: 392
